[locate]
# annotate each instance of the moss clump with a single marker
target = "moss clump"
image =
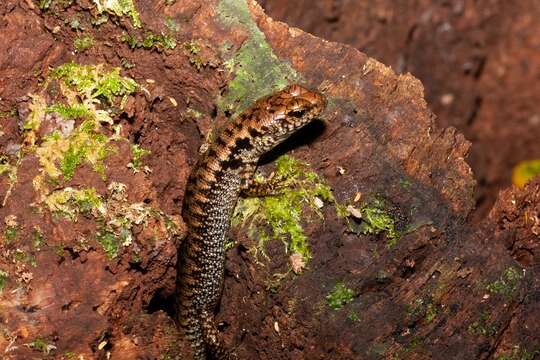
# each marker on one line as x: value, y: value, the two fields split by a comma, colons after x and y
x: 6, y: 169
x: 518, y: 353
x: 60, y: 155
x: 12, y: 228
x: 110, y: 243
x: 507, y: 284
x: 375, y: 219
x: 83, y: 43
x: 85, y: 87
x: 38, y: 240
x: 340, y: 296
x: 171, y: 24
x: 157, y: 42
x: 137, y: 153
x: 21, y: 257
x: 482, y: 326
x: 192, y: 48
x: 44, y: 4
x: 3, y: 279
x: 426, y: 309
x: 119, y: 8
x: 9, y: 113
x: 69, y: 203
x: 280, y: 217
x: 92, y: 82
x: 258, y: 71
x: 114, y: 214
x: 75, y: 111
x: 41, y: 345
x: 10, y: 233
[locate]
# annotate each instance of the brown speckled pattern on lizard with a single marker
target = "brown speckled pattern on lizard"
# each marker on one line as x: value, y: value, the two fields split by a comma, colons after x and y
x: 221, y: 175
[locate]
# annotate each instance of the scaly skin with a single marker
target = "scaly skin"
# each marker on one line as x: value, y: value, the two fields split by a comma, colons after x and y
x: 220, y: 176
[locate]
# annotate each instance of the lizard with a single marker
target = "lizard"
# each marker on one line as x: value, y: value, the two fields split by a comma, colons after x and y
x: 223, y: 173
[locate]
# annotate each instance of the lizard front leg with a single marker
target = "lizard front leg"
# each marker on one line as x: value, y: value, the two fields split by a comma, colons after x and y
x: 252, y: 187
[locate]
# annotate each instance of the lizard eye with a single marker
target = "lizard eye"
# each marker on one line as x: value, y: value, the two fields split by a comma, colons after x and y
x: 297, y: 113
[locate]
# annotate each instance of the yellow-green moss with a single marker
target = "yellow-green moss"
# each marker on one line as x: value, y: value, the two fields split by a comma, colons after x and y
x: 340, y: 296
x: 9, y: 113
x: 421, y: 308
x: 482, y: 326
x: 38, y: 240
x: 70, y: 203
x: 149, y: 41
x: 119, y: 8
x: 137, y: 153
x: 74, y: 111
x: 93, y: 82
x: 83, y: 43
x: 519, y: 353
x: 507, y: 283
x: 283, y: 213
x: 10, y: 233
x: 192, y: 49
x: 88, y: 90
x: 60, y: 155
x: 257, y: 70
x: 9, y: 170
x: 114, y: 215
x: 3, y: 279
x: 375, y: 219
x: 171, y: 24
x: 41, y: 345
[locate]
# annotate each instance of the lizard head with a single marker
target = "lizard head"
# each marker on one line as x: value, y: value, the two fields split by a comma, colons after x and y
x: 284, y: 112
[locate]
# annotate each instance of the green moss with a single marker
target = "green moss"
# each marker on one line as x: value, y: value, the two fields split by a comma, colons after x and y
x: 44, y: 4
x: 171, y: 24
x: 69, y: 203
x: 431, y: 312
x: 10, y: 113
x: 423, y: 308
x: 376, y: 219
x: 92, y: 82
x: 38, y: 240
x: 137, y: 153
x: 87, y: 89
x: 110, y: 243
x: 507, y: 284
x: 353, y: 316
x: 119, y: 8
x: 61, y: 155
x: 3, y: 279
x: 6, y: 169
x: 340, y: 296
x: 75, y: 111
x: 21, y: 257
x: 83, y: 43
x: 126, y: 64
x: 518, y: 353
x: 194, y: 114
x: 257, y: 69
x: 41, y: 345
x: 10, y: 233
x: 114, y: 214
x: 158, y: 42
x: 193, y: 48
x: 482, y: 326
x: 283, y: 213
x: 75, y: 24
